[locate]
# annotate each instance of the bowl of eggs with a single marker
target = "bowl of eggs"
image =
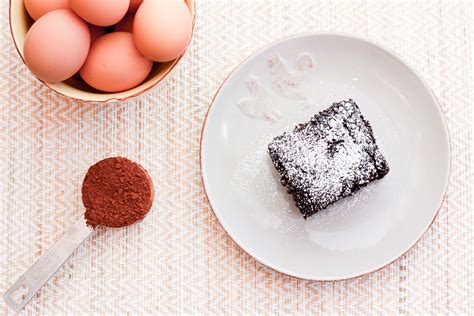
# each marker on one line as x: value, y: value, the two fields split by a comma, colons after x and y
x: 101, y: 50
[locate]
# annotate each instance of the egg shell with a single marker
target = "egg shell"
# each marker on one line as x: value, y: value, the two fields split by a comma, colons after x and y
x: 125, y: 24
x: 96, y: 32
x: 56, y: 45
x: 134, y: 4
x: 162, y: 29
x: 114, y: 63
x: 100, y: 12
x: 38, y: 8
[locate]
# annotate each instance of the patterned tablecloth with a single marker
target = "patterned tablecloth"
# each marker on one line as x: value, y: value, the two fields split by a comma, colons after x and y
x: 179, y: 260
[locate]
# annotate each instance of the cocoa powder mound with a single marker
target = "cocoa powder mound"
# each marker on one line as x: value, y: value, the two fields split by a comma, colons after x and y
x: 116, y: 192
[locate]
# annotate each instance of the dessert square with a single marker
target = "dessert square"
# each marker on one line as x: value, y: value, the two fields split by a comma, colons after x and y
x: 328, y: 158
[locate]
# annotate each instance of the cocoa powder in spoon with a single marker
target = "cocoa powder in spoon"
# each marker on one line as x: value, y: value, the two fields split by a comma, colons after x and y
x: 116, y: 192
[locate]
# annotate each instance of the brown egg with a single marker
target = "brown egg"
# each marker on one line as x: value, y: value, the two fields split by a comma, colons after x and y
x: 56, y: 45
x: 162, y: 29
x: 114, y: 63
x: 100, y: 12
x: 38, y: 8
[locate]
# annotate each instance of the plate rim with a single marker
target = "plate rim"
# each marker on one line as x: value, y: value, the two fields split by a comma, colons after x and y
x: 399, y: 59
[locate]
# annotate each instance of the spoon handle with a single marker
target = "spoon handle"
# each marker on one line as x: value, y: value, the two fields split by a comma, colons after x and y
x: 20, y: 293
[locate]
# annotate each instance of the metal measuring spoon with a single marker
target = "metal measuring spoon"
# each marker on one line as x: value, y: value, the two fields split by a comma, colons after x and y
x: 116, y: 192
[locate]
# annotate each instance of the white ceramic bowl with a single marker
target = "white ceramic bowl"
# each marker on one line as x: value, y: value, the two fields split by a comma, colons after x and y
x: 75, y: 87
x: 358, y: 234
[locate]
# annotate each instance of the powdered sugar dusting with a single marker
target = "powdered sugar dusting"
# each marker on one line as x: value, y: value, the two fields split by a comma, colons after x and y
x: 255, y: 183
x: 328, y: 158
x: 293, y: 84
x: 256, y: 177
x: 258, y: 105
x: 286, y: 83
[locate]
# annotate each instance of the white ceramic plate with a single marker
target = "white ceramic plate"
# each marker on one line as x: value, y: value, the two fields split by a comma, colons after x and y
x: 358, y: 234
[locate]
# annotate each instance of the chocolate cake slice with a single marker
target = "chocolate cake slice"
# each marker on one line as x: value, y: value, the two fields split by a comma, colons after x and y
x: 328, y: 158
